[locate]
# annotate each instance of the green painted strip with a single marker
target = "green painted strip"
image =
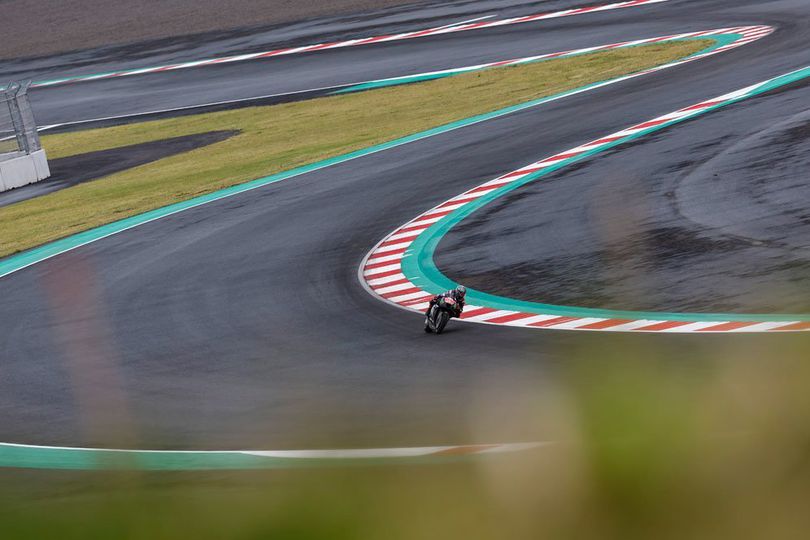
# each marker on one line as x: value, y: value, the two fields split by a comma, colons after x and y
x: 22, y: 260
x: 719, y: 41
x: 373, y: 85
x: 35, y: 457
x: 92, y: 459
x: 418, y: 263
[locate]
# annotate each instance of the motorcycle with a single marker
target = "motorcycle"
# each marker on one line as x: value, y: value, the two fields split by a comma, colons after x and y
x: 439, y: 314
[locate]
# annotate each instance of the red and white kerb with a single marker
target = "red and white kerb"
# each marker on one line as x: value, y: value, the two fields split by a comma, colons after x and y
x: 382, y: 269
x: 351, y: 42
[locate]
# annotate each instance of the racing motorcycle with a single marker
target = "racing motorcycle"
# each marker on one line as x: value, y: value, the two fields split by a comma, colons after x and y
x: 439, y: 314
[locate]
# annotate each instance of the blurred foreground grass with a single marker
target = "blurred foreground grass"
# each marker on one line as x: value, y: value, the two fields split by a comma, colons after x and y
x: 277, y: 138
x: 652, y: 442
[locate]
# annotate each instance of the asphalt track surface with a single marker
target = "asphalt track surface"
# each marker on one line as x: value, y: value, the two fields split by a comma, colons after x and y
x: 242, y: 323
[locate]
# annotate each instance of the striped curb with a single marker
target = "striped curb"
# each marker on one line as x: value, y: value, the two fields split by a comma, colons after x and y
x: 375, y: 83
x: 400, y: 270
x: 73, y: 458
x: 349, y: 43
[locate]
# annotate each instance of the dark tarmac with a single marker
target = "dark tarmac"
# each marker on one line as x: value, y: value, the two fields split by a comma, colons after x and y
x: 242, y: 323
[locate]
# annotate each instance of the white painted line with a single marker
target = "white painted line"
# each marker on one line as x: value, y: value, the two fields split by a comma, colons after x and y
x: 572, y: 325
x: 393, y: 247
x: 385, y: 258
x: 760, y: 327
x: 381, y: 270
x: 394, y: 288
x: 531, y: 320
x: 640, y: 323
x: 386, y: 279
x: 491, y: 315
x: 197, y: 106
x: 691, y: 327
x: 406, y: 297
x: 468, y: 21
x: 406, y: 234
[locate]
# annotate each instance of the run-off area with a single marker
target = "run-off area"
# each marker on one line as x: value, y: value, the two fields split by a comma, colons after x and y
x: 707, y: 216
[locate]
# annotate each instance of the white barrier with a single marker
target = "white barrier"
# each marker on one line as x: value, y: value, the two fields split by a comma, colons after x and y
x: 23, y: 170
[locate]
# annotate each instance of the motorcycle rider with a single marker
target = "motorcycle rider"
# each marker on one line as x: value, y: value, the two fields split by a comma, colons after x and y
x: 458, y: 294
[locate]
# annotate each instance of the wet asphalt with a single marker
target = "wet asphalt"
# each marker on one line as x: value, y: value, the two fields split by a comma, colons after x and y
x: 242, y: 323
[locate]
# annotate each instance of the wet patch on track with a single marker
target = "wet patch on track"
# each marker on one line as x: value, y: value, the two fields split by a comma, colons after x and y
x: 726, y: 230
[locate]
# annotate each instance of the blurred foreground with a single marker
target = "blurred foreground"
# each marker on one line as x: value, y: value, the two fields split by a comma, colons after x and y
x: 646, y: 444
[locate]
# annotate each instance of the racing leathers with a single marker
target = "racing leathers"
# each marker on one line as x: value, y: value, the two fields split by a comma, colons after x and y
x: 455, y: 295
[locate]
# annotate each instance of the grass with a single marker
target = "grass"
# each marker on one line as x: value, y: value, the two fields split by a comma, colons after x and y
x: 281, y: 137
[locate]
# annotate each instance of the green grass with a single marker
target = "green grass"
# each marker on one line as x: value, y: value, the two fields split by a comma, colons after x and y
x: 281, y: 137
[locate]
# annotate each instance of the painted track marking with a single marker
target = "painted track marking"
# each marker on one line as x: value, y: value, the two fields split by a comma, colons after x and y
x: 446, y: 29
x: 414, y: 243
x: 360, y: 85
x: 76, y: 458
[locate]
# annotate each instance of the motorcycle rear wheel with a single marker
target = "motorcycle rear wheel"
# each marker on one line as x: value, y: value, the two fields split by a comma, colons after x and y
x: 441, y: 321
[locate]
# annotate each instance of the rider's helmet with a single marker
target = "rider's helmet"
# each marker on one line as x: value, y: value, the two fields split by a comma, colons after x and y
x: 461, y: 291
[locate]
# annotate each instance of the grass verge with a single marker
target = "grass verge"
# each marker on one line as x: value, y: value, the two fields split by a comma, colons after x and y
x: 281, y: 137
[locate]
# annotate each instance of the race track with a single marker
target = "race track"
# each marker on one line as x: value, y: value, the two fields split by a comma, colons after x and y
x: 242, y: 323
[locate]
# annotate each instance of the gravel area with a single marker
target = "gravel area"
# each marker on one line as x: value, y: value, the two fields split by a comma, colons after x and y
x: 56, y: 26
